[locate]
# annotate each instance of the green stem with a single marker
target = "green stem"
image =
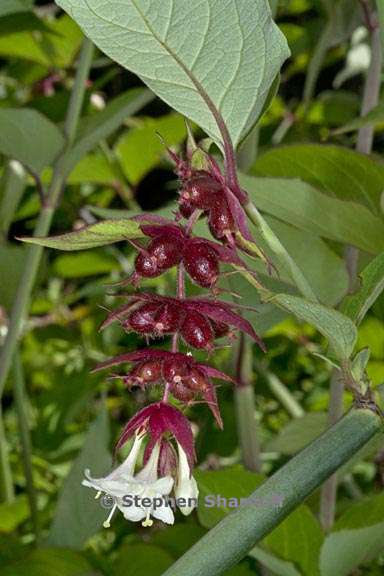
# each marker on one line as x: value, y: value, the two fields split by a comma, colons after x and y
x: 279, y: 250
x: 380, y: 8
x: 34, y: 253
x: 245, y: 407
x: 12, y: 186
x: 282, y: 394
x: 329, y: 490
x: 7, y: 493
x: 25, y: 440
x: 228, y: 542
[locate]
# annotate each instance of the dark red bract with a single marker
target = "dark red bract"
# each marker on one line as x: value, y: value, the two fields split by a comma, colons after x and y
x: 195, y: 318
x: 186, y: 377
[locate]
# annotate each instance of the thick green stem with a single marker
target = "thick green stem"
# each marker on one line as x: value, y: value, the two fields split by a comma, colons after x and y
x: 25, y: 440
x: 7, y: 493
x: 245, y: 408
x: 227, y: 543
x: 34, y: 253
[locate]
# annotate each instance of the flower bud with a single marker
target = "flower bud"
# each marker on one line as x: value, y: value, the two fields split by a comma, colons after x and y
x: 197, y: 331
x: 201, y: 263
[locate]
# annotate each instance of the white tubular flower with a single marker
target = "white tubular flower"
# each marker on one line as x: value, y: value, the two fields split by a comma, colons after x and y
x: 115, y: 484
x: 147, y: 485
x: 186, y: 490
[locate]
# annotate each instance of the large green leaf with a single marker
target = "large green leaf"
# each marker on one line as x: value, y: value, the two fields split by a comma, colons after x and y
x: 300, y: 204
x: 100, y: 125
x: 298, y: 539
x: 99, y: 234
x: 177, y: 49
x: 371, y: 286
x: 356, y: 538
x: 49, y: 562
x: 29, y: 137
x: 340, y: 172
x: 77, y: 515
x: 337, y: 328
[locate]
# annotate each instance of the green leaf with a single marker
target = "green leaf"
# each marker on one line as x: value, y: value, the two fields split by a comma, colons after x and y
x: 84, y: 264
x: 12, y: 259
x: 93, y: 168
x: 301, y: 205
x: 371, y: 286
x: 298, y: 539
x: 231, y: 484
x: 29, y: 137
x: 50, y: 562
x: 99, y: 234
x: 342, y: 173
x: 14, y: 6
x: 178, y: 538
x: 356, y: 538
x: 337, y: 328
x: 177, y: 48
x: 78, y: 516
x: 140, y: 149
x: 13, y: 514
x: 375, y: 116
x: 284, y: 259
x: 326, y: 274
x: 299, y: 432
x: 274, y: 564
x: 140, y: 559
x: 102, y: 124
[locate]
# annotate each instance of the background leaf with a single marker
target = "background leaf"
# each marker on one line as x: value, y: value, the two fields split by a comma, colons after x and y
x: 356, y: 538
x: 78, y: 516
x: 300, y: 204
x: 371, y: 286
x: 29, y: 137
x: 342, y: 173
x: 172, y: 57
x: 337, y: 328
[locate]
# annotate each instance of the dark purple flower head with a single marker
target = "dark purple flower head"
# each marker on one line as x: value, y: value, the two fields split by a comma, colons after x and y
x: 195, y: 319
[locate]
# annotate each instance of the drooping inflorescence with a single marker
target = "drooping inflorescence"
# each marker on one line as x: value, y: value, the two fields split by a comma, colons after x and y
x: 198, y: 322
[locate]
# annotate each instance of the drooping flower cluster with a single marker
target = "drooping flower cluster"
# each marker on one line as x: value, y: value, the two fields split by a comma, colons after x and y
x: 169, y: 454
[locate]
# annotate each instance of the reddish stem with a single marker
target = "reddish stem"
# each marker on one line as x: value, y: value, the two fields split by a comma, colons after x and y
x: 175, y: 337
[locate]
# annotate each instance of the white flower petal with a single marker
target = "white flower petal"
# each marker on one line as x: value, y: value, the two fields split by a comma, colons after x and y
x: 133, y: 513
x: 164, y: 513
x: 163, y: 485
x: 149, y: 472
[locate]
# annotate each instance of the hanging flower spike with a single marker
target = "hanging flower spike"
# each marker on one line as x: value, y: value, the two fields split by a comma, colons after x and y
x: 158, y: 419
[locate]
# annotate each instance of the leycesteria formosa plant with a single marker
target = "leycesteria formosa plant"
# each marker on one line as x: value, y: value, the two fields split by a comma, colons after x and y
x: 197, y: 322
